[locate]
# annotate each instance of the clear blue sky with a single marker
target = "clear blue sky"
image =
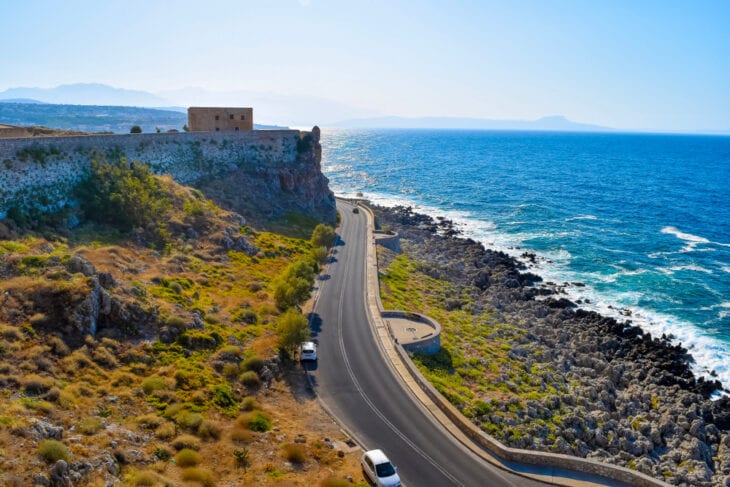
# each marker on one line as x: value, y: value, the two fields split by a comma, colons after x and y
x: 625, y: 64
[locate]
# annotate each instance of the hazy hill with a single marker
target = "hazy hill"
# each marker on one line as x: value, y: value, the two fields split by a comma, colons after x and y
x: 554, y: 123
x: 87, y: 94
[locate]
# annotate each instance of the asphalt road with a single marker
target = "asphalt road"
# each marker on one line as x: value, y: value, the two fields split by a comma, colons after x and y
x: 361, y: 390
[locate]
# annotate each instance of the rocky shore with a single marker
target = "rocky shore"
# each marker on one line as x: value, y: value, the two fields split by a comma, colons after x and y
x: 632, y: 398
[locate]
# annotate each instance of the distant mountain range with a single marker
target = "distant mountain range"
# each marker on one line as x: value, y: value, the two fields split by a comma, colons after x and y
x: 554, y: 123
x: 93, y: 118
x: 273, y: 109
x: 86, y: 94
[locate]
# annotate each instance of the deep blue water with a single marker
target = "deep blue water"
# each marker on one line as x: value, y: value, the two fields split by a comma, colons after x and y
x: 643, y: 220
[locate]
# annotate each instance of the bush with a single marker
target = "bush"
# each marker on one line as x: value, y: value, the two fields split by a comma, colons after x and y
x: 188, y: 419
x: 136, y: 129
x: 126, y: 196
x: 294, y: 453
x: 151, y: 384
x: 320, y: 254
x: 250, y: 404
x: 209, y: 430
x: 250, y: 379
x: 53, y: 451
x: 242, y: 435
x: 166, y: 431
x: 223, y: 396
x: 230, y: 371
x: 186, y: 441
x: 254, y: 363
x: 187, y: 458
x: 90, y: 426
x: 144, y: 478
x: 323, y: 236
x: 199, y: 475
x: 255, y: 421
x: 292, y: 329
x: 150, y: 421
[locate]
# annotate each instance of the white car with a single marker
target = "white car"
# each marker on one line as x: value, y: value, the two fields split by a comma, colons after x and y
x: 308, y: 351
x: 379, y: 470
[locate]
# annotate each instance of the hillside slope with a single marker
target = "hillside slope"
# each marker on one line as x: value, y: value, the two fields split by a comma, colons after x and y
x: 140, y: 346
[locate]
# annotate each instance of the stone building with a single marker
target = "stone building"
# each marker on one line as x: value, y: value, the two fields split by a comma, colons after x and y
x: 220, y: 119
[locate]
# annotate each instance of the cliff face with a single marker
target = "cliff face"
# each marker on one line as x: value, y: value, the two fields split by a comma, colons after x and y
x: 275, y: 189
x: 260, y: 174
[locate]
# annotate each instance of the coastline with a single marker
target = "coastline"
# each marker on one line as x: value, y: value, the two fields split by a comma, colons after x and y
x: 634, y: 398
x: 711, y: 355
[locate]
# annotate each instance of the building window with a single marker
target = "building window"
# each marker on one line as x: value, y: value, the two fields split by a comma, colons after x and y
x: 243, y: 117
x: 231, y: 116
x: 217, y: 117
x: 217, y: 129
x: 236, y: 129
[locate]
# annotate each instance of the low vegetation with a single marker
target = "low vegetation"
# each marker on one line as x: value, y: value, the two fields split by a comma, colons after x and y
x: 485, y: 367
x: 150, y: 336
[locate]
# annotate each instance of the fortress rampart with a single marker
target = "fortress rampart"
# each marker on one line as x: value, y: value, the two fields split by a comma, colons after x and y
x: 40, y: 173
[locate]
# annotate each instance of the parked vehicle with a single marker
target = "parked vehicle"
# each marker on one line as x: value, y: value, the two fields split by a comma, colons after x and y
x: 308, y: 351
x: 378, y: 469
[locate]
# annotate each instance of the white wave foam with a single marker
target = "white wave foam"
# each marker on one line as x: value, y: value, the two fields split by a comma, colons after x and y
x: 689, y: 267
x: 726, y: 268
x: 692, y: 240
x: 582, y: 217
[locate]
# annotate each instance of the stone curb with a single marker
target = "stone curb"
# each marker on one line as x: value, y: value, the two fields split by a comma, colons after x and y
x: 464, y: 430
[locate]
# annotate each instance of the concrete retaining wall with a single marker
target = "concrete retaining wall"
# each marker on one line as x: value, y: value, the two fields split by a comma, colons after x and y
x: 428, y: 345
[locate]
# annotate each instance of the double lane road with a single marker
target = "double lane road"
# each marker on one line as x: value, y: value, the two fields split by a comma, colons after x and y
x: 357, y: 385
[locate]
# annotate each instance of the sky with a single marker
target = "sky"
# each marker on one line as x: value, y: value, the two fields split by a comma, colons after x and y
x: 661, y: 65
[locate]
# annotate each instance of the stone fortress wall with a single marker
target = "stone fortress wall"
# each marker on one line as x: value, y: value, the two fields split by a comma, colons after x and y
x: 40, y: 173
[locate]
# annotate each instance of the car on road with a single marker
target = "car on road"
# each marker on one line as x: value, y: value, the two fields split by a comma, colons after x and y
x: 378, y: 469
x: 308, y: 352
x: 356, y: 210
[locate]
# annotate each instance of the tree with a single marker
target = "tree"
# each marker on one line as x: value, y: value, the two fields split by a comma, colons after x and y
x: 186, y: 128
x: 158, y: 130
x: 292, y: 329
x: 136, y: 129
x: 323, y: 236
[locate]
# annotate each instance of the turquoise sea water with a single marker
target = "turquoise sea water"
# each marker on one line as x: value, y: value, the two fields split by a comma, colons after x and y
x: 643, y: 220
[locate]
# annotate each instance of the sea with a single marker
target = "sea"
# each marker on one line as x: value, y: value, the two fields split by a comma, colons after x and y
x: 643, y: 220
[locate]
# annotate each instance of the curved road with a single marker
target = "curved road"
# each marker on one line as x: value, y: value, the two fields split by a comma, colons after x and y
x: 361, y: 390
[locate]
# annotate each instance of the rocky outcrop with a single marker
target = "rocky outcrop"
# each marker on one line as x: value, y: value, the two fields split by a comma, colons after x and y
x: 262, y: 192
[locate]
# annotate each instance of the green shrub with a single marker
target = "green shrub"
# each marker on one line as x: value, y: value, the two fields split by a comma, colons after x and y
x: 223, y: 396
x: 53, y: 451
x: 151, y: 384
x: 323, y: 236
x: 294, y: 453
x: 245, y: 316
x: 188, y: 419
x: 144, y: 478
x: 250, y: 379
x: 187, y: 458
x: 230, y: 370
x: 136, y: 129
x: 126, y: 196
x: 255, y: 421
x: 292, y: 328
